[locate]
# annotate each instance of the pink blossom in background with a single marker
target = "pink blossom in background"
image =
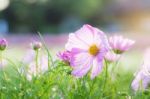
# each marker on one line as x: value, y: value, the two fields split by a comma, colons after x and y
x: 36, y: 45
x: 88, y: 46
x: 142, y: 78
x: 64, y: 56
x: 141, y: 81
x: 3, y: 44
x: 3, y: 63
x: 111, y: 56
x: 146, y: 62
x: 29, y: 57
x: 120, y: 44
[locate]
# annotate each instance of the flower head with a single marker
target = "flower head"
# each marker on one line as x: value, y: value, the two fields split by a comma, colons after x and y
x: 88, y: 47
x: 111, y: 56
x: 142, y: 77
x: 120, y: 44
x: 36, y: 45
x: 64, y: 56
x: 141, y: 81
x: 3, y: 44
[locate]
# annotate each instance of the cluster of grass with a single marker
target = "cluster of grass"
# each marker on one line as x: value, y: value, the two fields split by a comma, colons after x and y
x: 58, y: 83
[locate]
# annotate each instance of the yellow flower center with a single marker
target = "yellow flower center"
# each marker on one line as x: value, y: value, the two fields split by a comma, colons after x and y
x: 93, y: 50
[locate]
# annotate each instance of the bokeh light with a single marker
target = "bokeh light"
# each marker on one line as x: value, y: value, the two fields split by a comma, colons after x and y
x: 4, y: 4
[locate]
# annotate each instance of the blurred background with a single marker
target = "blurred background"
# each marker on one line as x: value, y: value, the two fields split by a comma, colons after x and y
x: 20, y: 20
x: 63, y: 16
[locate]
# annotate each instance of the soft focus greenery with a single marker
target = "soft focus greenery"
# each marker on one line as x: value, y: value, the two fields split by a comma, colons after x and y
x: 58, y: 83
x: 52, y: 15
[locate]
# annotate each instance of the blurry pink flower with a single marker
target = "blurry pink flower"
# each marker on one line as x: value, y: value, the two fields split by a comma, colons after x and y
x: 142, y: 78
x: 64, y: 56
x: 3, y: 44
x: 3, y: 63
x: 120, y: 44
x: 36, y: 45
x: 111, y: 56
x: 29, y: 57
x: 141, y: 81
x: 88, y: 47
x: 146, y: 62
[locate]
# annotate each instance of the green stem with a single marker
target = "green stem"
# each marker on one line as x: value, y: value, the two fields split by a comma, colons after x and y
x: 36, y: 61
x: 91, y: 87
x: 116, y: 65
x: 1, y: 60
x: 106, y: 74
x: 50, y: 59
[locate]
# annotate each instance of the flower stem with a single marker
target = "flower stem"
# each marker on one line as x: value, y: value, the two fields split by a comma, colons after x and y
x: 115, y: 65
x: 91, y: 87
x: 1, y: 62
x: 106, y: 75
x: 36, y: 61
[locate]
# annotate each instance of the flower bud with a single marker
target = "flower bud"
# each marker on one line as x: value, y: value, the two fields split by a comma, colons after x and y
x: 36, y: 45
x: 3, y: 44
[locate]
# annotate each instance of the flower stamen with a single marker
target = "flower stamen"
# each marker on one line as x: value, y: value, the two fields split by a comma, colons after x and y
x: 93, y: 50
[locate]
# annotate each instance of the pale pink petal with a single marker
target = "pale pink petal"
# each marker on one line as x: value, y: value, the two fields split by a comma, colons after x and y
x: 141, y: 81
x: 111, y: 56
x: 86, y: 34
x: 79, y: 58
x: 75, y: 42
x: 97, y: 68
x: 81, y: 70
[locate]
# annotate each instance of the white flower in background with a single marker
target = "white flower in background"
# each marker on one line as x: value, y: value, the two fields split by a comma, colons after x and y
x: 112, y: 57
x: 29, y: 67
x: 33, y: 70
x: 3, y: 63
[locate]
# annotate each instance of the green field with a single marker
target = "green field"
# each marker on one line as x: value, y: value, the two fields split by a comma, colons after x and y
x: 58, y: 83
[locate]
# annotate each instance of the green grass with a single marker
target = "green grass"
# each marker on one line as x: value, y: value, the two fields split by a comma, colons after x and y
x: 58, y: 83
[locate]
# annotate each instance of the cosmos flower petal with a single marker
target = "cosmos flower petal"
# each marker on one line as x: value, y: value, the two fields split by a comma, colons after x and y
x: 120, y: 44
x: 78, y: 59
x: 64, y: 56
x: 86, y: 34
x: 83, y: 68
x: 141, y: 81
x: 97, y: 68
x: 142, y: 78
x: 75, y: 42
x: 112, y: 57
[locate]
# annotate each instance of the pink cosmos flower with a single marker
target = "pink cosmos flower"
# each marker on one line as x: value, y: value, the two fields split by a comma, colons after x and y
x: 3, y: 44
x: 111, y: 56
x: 141, y: 81
x: 120, y: 44
x: 36, y: 45
x: 88, y: 47
x: 142, y: 78
x: 64, y: 56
